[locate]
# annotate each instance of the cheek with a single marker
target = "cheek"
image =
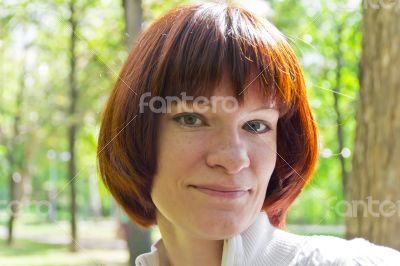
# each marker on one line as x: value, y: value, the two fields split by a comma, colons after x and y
x: 263, y: 155
x: 182, y: 150
x: 179, y: 159
x: 263, y: 159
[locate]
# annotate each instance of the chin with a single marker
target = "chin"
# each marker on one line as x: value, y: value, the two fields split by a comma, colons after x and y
x: 222, y: 231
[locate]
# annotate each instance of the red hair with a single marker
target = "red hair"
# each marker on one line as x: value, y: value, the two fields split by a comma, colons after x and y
x: 188, y: 50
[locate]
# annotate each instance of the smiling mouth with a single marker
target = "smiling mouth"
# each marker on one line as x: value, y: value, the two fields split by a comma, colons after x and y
x: 228, y: 193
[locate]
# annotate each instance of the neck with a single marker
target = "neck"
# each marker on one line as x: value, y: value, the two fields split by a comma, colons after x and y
x: 184, y: 249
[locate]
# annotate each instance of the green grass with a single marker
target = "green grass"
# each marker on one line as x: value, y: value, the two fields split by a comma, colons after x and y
x: 28, y: 253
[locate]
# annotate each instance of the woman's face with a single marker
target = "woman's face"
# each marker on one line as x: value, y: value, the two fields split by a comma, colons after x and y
x: 214, y: 165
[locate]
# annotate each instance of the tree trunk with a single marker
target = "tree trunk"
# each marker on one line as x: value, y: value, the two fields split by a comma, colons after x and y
x: 139, y: 240
x: 16, y: 163
x: 72, y: 128
x: 373, y: 191
x: 94, y: 196
x: 133, y: 20
x: 336, y: 91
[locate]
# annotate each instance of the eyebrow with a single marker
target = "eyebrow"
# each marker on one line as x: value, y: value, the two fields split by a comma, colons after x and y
x: 263, y: 108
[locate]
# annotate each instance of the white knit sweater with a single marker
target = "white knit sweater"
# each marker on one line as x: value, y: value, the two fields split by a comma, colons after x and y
x: 262, y: 244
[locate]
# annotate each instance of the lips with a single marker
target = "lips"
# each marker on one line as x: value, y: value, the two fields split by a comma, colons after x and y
x: 221, y: 191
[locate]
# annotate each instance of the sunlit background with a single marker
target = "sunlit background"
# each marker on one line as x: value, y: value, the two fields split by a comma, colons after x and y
x: 50, y: 105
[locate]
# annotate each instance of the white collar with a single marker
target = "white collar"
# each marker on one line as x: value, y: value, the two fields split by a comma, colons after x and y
x: 260, y: 242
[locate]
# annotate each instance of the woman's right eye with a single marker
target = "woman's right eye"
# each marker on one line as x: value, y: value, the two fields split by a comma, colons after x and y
x: 189, y: 120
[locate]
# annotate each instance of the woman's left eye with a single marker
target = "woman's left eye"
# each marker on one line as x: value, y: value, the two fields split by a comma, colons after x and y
x: 256, y: 127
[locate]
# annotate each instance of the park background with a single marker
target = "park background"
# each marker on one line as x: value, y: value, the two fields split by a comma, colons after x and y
x: 59, y: 60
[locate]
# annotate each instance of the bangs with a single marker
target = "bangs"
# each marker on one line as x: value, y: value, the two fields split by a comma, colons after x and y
x: 205, y: 42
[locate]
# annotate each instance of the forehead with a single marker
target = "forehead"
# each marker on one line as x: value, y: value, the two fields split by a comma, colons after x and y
x: 224, y: 99
x: 253, y: 93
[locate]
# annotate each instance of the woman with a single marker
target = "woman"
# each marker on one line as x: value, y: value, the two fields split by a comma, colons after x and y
x: 208, y: 134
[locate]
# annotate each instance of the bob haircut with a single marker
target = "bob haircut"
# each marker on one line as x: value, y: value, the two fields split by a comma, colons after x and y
x: 188, y: 50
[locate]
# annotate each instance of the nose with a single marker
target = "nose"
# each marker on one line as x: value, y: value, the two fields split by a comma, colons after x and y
x: 228, y: 151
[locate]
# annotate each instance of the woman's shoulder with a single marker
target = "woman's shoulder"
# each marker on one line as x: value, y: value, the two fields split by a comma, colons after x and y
x: 263, y: 244
x: 330, y: 250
